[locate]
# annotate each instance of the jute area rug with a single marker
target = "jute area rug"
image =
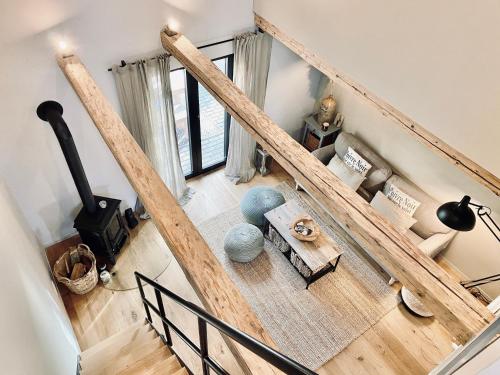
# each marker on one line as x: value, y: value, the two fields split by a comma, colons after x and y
x: 310, y: 326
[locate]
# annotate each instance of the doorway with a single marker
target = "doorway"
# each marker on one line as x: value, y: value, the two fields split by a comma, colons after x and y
x: 202, y: 124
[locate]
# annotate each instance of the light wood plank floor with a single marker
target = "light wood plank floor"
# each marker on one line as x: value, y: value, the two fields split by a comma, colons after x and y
x: 399, y: 343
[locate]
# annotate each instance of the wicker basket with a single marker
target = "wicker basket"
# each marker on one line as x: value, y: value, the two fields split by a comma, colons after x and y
x: 83, y: 284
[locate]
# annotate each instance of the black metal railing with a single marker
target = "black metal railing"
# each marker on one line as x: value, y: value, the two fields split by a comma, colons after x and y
x: 275, y: 358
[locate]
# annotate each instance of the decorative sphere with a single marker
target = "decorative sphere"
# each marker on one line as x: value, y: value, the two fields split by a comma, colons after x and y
x: 259, y: 200
x: 243, y: 242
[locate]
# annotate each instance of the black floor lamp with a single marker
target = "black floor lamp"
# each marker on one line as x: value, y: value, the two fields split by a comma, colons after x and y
x: 460, y: 216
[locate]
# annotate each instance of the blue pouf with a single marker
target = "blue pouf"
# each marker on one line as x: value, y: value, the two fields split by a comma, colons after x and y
x: 243, y: 242
x: 259, y: 200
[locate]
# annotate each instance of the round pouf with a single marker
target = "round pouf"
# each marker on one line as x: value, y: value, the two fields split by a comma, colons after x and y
x: 243, y: 242
x: 259, y: 200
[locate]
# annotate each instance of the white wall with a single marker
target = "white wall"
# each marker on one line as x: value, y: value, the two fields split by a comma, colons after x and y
x: 291, y: 89
x: 37, y: 337
x: 487, y: 362
x: 101, y: 33
x: 437, y: 62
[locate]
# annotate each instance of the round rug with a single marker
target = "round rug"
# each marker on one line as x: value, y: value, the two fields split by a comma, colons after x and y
x: 145, y: 252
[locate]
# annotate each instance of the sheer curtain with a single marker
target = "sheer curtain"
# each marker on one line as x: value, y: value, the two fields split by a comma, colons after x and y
x: 252, y: 54
x: 145, y: 98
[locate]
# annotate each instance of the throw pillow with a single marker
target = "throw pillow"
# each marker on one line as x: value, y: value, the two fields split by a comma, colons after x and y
x: 349, y: 176
x: 392, y: 212
x: 401, y: 199
x: 356, y: 162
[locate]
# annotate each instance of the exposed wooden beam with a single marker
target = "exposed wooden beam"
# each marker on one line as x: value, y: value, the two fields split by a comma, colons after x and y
x: 217, y: 292
x: 434, y: 143
x: 455, y: 308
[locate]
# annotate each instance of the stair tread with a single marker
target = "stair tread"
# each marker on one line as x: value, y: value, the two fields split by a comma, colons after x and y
x: 168, y: 366
x: 144, y: 364
x: 123, y: 357
x: 110, y: 352
x: 181, y: 371
x: 125, y: 335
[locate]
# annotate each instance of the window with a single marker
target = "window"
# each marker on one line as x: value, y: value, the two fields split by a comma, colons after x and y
x: 202, y: 125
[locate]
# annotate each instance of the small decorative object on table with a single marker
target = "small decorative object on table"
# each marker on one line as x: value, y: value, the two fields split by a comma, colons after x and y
x: 327, y: 110
x: 304, y: 228
x: 339, y: 120
x: 76, y: 269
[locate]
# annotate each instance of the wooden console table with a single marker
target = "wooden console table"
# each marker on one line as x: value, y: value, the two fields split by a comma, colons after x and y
x: 311, y: 259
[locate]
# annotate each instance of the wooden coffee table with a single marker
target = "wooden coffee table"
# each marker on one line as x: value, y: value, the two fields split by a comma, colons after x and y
x: 311, y: 259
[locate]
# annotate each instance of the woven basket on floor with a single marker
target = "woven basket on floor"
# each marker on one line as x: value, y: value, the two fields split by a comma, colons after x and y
x: 83, y: 284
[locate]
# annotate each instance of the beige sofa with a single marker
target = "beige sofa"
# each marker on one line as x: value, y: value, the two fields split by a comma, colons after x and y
x: 377, y: 175
x: 428, y: 233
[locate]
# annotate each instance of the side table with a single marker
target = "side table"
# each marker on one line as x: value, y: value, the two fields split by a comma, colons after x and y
x: 315, y: 137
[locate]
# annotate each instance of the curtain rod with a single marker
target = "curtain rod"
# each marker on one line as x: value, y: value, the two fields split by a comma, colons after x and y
x: 123, y: 63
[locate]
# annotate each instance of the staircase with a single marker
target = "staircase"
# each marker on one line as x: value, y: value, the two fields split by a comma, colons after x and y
x: 140, y: 350
x: 135, y: 350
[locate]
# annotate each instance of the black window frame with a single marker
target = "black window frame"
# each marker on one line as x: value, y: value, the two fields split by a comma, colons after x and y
x: 193, y: 120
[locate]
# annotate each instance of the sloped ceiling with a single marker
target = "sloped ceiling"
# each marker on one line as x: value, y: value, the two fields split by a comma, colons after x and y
x: 22, y: 18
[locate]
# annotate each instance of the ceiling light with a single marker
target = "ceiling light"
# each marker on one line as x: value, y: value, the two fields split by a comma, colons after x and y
x: 62, y: 45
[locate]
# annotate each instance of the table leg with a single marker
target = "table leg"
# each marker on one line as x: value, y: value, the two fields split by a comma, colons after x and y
x: 304, y: 135
x: 266, y: 229
x: 336, y: 262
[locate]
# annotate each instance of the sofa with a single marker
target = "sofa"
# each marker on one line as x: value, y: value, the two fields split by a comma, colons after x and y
x: 378, y: 174
x: 428, y: 233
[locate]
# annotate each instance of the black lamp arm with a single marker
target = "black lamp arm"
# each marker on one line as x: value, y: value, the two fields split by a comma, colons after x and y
x: 482, y: 212
x: 484, y: 280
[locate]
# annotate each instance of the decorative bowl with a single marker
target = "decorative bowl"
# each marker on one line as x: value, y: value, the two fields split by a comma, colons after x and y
x: 304, y: 228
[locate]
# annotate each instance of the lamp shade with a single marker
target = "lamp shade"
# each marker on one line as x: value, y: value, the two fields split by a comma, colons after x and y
x: 457, y: 215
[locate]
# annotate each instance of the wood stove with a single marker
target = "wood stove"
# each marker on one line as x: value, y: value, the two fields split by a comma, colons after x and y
x: 99, y: 222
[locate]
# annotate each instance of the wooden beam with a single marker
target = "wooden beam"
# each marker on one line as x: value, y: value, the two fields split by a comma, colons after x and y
x: 217, y: 292
x: 434, y: 143
x: 455, y: 308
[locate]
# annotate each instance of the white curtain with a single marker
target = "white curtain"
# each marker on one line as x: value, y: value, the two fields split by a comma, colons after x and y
x: 252, y: 54
x: 145, y: 98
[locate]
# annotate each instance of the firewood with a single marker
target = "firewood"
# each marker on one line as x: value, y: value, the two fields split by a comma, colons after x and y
x: 78, y: 271
x: 67, y: 266
x: 74, y: 255
x: 86, y: 261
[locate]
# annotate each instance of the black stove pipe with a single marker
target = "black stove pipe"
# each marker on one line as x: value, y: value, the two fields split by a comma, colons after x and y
x: 51, y: 112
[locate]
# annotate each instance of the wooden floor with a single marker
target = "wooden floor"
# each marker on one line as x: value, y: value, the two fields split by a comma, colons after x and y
x: 399, y: 343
